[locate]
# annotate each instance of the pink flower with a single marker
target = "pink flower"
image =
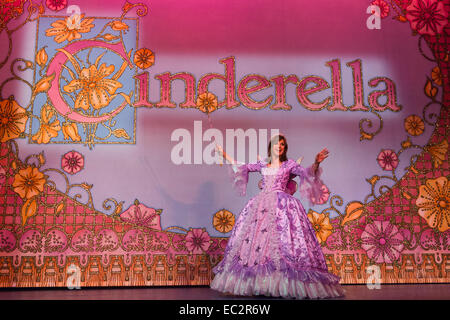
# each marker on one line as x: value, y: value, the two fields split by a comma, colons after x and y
x: 197, y: 241
x: 72, y: 162
x: 382, y: 242
x: 384, y: 7
x: 142, y: 215
x: 427, y: 16
x: 388, y: 160
x: 56, y: 5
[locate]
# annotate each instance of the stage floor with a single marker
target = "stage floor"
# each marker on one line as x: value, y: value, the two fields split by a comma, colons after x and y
x: 353, y: 292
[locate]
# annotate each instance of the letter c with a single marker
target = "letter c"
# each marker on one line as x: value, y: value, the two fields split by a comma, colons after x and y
x: 55, y: 66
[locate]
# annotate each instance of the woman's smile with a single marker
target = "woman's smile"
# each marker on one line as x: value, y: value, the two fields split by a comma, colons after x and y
x: 279, y: 148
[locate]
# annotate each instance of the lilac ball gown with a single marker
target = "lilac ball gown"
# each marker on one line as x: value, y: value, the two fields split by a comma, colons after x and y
x: 273, y: 249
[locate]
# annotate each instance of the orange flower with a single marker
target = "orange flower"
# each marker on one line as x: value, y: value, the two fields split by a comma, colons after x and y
x: 41, y: 57
x: 355, y: 208
x: 436, y: 76
x: 223, y: 221
x: 414, y: 125
x: 70, y: 131
x: 430, y: 90
x: 94, y: 87
x: 109, y: 37
x: 29, y: 209
x: 118, y: 25
x: 207, y: 102
x: 12, y: 119
x: 70, y: 28
x: 44, y: 84
x: 48, y: 130
x: 321, y: 224
x: 144, y: 58
x: 434, y: 203
x: 438, y: 152
x: 29, y: 182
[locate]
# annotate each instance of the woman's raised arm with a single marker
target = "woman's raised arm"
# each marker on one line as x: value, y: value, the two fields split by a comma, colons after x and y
x: 224, y: 154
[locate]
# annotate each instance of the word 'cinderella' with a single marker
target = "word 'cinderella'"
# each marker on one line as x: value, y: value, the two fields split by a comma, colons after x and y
x: 253, y: 83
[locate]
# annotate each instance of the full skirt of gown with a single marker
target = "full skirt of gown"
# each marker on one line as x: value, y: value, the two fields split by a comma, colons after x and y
x: 273, y: 251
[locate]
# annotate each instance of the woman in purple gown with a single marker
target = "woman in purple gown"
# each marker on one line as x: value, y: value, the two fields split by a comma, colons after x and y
x: 273, y: 249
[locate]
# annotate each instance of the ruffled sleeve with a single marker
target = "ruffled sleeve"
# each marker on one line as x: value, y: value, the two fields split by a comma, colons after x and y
x: 238, y: 174
x: 311, y: 185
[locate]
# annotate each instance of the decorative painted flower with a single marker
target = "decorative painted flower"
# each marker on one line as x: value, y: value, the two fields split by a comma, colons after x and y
x: 70, y: 28
x: 382, y: 242
x: 434, y: 203
x: 438, y: 152
x: 70, y: 131
x: 44, y: 84
x: 414, y: 125
x: 41, y: 57
x: 430, y: 90
x: 119, y: 26
x: 223, y: 221
x: 427, y: 16
x: 207, y: 102
x: 144, y: 58
x: 384, y: 7
x: 321, y: 224
x: 56, y: 5
x: 197, y: 241
x: 94, y: 87
x: 436, y: 75
x: 387, y: 159
x: 48, y: 129
x: 353, y: 210
x: 72, y: 162
x: 12, y: 119
x: 29, y: 182
x: 142, y: 215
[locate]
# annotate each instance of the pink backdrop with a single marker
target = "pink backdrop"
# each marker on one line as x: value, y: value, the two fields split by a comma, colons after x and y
x: 105, y: 163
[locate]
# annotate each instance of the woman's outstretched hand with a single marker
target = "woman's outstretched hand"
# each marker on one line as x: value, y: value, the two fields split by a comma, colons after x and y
x: 223, y: 154
x: 219, y: 149
x: 322, y: 155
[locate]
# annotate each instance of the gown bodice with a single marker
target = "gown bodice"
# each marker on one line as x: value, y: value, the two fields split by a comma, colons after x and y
x: 274, y: 179
x: 279, y: 179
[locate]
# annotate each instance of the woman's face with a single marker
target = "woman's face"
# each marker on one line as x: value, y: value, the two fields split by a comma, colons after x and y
x: 278, y: 148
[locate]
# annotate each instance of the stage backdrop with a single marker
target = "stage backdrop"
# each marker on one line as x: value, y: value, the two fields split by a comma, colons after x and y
x: 109, y: 113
